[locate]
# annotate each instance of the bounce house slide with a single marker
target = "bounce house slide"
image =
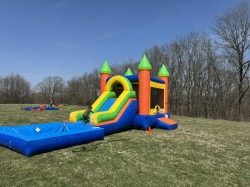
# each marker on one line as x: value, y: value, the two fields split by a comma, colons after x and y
x: 114, y: 110
x: 123, y: 121
x: 112, y: 107
x: 96, y: 107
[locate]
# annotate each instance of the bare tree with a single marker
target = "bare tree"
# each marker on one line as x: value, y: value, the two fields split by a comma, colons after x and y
x: 83, y: 90
x: 122, y: 68
x: 14, y: 89
x: 156, y: 56
x: 51, y: 87
x: 74, y: 91
x: 233, y: 29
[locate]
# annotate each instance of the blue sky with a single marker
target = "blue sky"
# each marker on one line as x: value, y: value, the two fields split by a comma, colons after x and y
x: 41, y: 38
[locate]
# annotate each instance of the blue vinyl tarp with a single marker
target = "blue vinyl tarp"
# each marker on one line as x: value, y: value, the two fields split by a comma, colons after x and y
x: 40, y: 108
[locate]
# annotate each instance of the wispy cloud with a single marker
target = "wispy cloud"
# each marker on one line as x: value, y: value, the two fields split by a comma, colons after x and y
x: 59, y: 5
x: 104, y: 36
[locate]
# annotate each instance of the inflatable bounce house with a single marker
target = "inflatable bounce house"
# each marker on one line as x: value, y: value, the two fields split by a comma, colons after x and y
x: 125, y: 102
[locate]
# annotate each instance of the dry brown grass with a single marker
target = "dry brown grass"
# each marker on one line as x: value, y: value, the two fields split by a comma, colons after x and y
x: 200, y: 152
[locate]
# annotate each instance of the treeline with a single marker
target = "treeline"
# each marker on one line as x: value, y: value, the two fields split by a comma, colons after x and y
x: 201, y: 82
x: 209, y: 77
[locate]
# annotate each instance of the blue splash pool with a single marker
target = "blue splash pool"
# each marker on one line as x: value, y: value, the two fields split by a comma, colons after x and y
x: 39, y: 138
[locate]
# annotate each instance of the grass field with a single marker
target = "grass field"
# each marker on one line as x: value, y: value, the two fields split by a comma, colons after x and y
x: 200, y: 152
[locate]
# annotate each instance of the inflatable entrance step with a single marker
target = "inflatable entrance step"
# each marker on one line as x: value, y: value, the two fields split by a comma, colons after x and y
x: 166, y: 123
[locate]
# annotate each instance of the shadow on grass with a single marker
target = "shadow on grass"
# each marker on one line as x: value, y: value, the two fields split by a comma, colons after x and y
x: 94, y: 147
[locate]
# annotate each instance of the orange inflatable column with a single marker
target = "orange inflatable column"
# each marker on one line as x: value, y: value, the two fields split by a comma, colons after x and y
x: 163, y: 75
x: 105, y: 72
x: 144, y: 69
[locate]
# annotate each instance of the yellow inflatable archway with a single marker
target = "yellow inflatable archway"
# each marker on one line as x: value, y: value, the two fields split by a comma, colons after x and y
x: 118, y: 79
